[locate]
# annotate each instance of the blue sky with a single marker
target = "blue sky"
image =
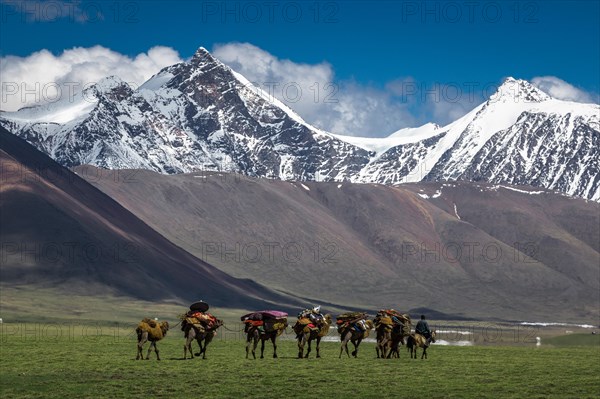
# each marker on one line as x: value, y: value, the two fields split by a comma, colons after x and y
x: 366, y: 47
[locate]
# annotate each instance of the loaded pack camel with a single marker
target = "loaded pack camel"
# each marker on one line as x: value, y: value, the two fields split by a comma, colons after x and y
x: 150, y: 330
x: 399, y: 335
x: 306, y: 335
x: 384, y: 340
x: 398, y: 338
x: 270, y: 331
x: 349, y: 333
x: 415, y: 341
x: 202, y: 335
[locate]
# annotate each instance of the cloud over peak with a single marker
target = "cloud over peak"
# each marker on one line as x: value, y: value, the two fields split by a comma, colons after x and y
x: 41, y: 76
x: 312, y: 90
x: 562, y: 90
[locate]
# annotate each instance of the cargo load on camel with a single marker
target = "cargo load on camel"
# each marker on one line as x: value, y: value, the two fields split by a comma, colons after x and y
x: 356, y: 320
x: 199, y: 318
x: 266, y: 320
x: 393, y: 320
x: 153, y: 328
x: 353, y: 327
x: 310, y: 320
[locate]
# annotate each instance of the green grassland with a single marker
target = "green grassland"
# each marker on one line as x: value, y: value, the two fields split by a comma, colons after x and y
x: 574, y: 340
x: 81, y: 346
x: 76, y: 361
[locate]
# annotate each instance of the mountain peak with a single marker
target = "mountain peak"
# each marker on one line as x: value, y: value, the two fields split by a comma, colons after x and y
x: 113, y: 87
x: 202, y: 56
x: 518, y: 91
x: 201, y: 52
x: 108, y: 83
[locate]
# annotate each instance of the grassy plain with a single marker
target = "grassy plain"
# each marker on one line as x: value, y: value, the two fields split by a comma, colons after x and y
x: 63, y: 360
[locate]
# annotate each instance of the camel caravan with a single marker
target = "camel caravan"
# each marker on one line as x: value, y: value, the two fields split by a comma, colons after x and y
x: 392, y: 329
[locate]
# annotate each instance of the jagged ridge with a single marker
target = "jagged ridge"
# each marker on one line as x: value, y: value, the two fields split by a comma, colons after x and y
x: 201, y: 115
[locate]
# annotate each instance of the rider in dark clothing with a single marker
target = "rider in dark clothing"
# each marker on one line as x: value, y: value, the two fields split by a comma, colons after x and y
x: 423, y: 328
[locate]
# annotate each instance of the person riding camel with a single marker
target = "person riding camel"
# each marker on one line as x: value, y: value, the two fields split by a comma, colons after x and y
x: 423, y: 329
x: 316, y: 317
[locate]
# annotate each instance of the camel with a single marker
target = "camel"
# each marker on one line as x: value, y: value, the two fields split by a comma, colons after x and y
x: 200, y: 334
x: 384, y: 340
x: 390, y: 332
x: 398, y: 337
x: 254, y: 333
x: 306, y: 335
x: 416, y: 341
x: 349, y: 333
x: 150, y: 330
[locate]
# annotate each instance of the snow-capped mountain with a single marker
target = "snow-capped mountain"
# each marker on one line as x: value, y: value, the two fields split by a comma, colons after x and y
x: 519, y: 136
x: 201, y: 115
x: 190, y: 116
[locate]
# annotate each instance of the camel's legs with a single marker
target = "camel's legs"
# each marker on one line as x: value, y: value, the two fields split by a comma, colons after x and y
x: 142, y: 338
x: 387, y: 347
x: 309, y: 347
x: 207, y: 340
x: 380, y: 346
x: 149, y: 350
x: 189, y: 338
x: 153, y: 344
x: 139, y: 351
x: 187, y: 346
x: 201, y: 348
x: 274, y: 340
x: 254, y: 345
x: 345, y: 340
x: 301, y: 342
x: 318, y: 346
x: 156, y: 350
x: 393, y: 352
x: 356, y: 343
x: 248, y: 343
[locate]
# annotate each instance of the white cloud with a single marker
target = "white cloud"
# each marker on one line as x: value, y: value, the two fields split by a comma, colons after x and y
x: 312, y: 90
x: 344, y: 107
x: 340, y: 107
x: 562, y: 90
x: 41, y: 76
